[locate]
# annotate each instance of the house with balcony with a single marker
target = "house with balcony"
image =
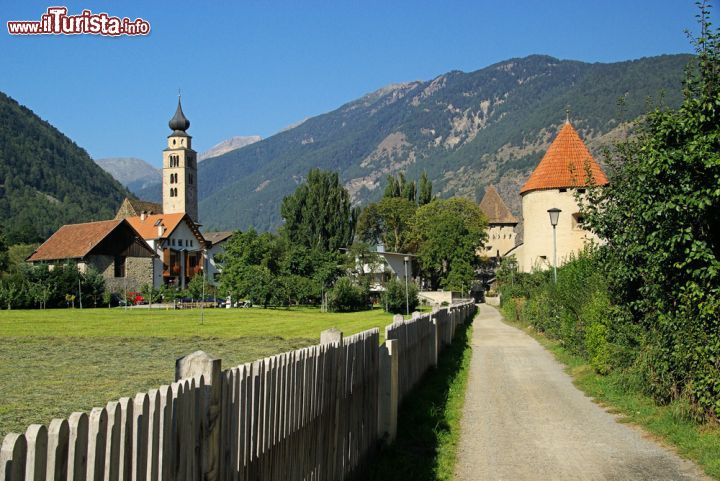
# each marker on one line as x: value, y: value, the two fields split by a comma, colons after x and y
x: 178, y: 243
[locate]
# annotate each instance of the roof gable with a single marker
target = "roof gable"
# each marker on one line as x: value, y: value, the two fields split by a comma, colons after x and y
x: 149, y: 226
x: 75, y: 241
x: 565, y: 164
x: 495, y: 208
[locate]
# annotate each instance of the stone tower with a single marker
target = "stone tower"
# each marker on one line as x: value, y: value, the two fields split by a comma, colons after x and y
x: 566, y: 169
x: 180, y: 169
x: 501, y: 224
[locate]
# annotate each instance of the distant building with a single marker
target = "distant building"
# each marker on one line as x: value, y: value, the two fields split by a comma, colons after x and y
x: 112, y: 247
x: 567, y: 169
x: 501, y: 224
x: 215, y: 242
x: 133, y: 207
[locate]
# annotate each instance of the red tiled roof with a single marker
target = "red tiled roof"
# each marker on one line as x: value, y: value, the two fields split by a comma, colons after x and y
x: 74, y: 241
x: 148, y: 227
x: 495, y: 209
x: 565, y: 164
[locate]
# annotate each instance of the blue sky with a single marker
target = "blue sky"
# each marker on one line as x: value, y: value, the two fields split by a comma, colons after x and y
x: 254, y: 67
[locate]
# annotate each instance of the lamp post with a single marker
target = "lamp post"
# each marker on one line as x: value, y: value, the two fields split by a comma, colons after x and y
x: 406, y: 259
x: 554, y: 215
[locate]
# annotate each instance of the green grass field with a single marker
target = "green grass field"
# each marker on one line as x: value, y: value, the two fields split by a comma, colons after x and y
x: 54, y: 362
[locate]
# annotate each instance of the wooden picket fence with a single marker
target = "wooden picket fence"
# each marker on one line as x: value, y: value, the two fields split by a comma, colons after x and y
x: 311, y: 414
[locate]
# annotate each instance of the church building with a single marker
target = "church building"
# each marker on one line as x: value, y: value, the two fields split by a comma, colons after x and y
x: 566, y: 169
x: 147, y: 243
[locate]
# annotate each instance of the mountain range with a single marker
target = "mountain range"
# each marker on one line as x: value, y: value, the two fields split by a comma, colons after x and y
x: 466, y: 130
x: 144, y: 180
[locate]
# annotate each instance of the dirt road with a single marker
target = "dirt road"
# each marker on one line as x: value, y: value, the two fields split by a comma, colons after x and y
x: 524, y: 420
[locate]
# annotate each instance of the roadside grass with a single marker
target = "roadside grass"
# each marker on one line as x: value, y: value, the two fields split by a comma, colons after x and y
x: 670, y: 425
x: 429, y: 422
x: 55, y: 362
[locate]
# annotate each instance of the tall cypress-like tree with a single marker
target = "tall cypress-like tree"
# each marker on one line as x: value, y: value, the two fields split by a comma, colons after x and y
x: 424, y: 195
x: 318, y: 214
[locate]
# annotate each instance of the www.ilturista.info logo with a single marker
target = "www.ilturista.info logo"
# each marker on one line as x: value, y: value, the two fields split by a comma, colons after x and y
x: 56, y: 21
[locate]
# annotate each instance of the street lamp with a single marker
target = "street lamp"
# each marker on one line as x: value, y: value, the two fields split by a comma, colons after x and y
x: 406, y: 259
x: 554, y: 215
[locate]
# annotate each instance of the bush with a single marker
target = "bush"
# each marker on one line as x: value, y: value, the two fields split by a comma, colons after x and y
x: 346, y: 296
x: 394, y: 298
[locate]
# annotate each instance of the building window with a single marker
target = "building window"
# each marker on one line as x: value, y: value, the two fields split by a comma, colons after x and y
x: 577, y: 221
x: 563, y: 190
x: 119, y: 266
x: 191, y: 243
x: 581, y: 191
x: 191, y: 179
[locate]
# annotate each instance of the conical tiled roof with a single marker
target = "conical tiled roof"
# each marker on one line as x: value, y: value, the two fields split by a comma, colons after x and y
x: 565, y: 164
x: 495, y: 209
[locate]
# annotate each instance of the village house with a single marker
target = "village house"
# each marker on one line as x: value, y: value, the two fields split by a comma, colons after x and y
x: 215, y: 242
x: 501, y: 225
x: 566, y: 169
x: 178, y: 244
x: 112, y: 247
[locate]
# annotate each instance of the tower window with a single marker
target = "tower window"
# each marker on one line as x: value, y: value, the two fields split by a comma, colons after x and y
x: 191, y: 179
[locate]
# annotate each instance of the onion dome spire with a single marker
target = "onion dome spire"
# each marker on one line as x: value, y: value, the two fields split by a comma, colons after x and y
x: 179, y: 123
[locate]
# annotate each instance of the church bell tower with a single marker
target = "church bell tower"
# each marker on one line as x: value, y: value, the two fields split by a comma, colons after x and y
x: 180, y: 169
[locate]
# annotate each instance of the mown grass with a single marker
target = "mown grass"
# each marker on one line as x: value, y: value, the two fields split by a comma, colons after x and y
x: 429, y: 422
x: 227, y: 323
x: 54, y: 362
x: 671, y: 424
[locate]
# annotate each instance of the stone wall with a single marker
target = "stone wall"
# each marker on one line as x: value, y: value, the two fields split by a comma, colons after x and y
x: 138, y: 272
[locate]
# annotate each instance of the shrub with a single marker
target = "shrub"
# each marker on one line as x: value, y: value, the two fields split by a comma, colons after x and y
x: 346, y: 296
x: 394, y: 298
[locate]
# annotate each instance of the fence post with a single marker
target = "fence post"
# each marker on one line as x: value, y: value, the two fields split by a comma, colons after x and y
x: 58, y: 440
x: 435, y: 341
x: 201, y: 363
x: 330, y: 336
x: 13, y: 453
x: 389, y: 390
x: 37, y: 442
x: 334, y: 336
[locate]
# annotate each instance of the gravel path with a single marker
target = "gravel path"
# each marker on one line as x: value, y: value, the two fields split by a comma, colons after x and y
x: 524, y: 420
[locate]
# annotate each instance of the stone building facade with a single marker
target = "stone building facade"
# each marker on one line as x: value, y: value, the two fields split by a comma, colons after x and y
x: 113, y: 248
